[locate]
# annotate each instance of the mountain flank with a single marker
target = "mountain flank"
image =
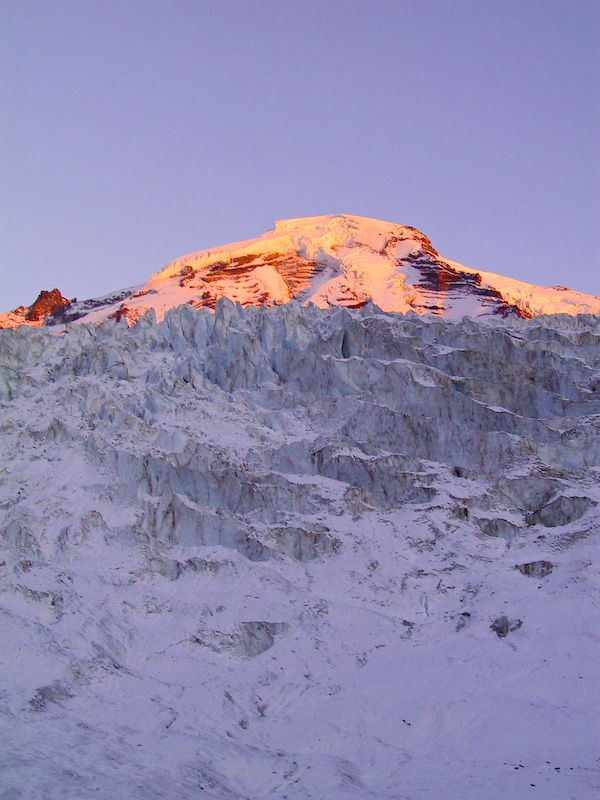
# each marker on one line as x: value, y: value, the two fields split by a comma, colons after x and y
x: 329, y: 261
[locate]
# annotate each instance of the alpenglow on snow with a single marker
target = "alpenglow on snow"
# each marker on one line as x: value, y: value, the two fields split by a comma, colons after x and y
x: 275, y: 550
x: 328, y: 261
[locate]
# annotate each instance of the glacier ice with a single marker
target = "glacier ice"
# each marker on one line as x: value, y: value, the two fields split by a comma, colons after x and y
x: 263, y: 553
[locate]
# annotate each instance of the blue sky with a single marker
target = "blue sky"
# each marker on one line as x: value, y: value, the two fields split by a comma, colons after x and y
x: 134, y: 132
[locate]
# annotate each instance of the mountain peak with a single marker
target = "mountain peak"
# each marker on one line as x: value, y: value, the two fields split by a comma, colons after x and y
x: 329, y: 260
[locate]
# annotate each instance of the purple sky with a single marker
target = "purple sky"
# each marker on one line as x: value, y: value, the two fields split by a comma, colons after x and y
x: 133, y: 132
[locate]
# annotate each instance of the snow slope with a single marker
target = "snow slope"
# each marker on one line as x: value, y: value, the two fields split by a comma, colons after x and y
x: 300, y: 553
x: 328, y: 261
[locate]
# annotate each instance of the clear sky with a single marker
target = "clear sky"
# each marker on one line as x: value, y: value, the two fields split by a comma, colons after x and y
x: 136, y: 131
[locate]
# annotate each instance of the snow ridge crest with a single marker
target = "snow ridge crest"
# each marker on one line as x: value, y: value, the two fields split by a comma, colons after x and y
x: 327, y: 261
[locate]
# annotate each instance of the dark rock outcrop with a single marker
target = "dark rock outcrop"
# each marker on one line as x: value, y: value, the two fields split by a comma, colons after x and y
x: 45, y: 304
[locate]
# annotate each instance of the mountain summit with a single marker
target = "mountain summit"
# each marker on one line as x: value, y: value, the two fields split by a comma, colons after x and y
x: 328, y: 261
x: 300, y: 552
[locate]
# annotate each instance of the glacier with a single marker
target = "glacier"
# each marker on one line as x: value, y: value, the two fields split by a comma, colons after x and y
x: 296, y: 552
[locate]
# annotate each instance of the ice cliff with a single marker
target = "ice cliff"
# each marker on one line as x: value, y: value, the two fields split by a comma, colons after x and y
x: 296, y: 552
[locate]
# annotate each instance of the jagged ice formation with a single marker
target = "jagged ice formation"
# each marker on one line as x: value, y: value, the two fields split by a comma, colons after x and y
x: 300, y: 553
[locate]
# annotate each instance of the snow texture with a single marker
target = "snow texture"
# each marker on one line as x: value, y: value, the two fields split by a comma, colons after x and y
x: 335, y: 260
x: 299, y: 553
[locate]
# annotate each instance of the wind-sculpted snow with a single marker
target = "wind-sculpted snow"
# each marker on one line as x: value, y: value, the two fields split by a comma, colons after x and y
x: 300, y: 553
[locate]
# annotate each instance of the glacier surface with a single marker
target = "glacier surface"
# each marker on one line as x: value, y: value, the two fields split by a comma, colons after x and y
x: 300, y: 553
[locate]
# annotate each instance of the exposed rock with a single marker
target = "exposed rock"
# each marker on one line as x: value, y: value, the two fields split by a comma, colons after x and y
x: 46, y: 303
x: 330, y: 261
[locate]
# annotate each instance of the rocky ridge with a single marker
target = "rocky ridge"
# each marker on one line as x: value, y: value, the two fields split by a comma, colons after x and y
x: 329, y: 261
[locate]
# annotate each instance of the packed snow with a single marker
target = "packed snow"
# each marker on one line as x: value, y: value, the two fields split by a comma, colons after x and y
x: 328, y: 261
x: 300, y: 553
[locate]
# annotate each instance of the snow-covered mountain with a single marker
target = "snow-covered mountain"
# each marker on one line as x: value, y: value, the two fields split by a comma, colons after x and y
x: 300, y: 553
x: 328, y: 261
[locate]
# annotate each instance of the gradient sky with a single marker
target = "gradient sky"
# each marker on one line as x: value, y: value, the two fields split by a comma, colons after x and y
x: 132, y: 133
